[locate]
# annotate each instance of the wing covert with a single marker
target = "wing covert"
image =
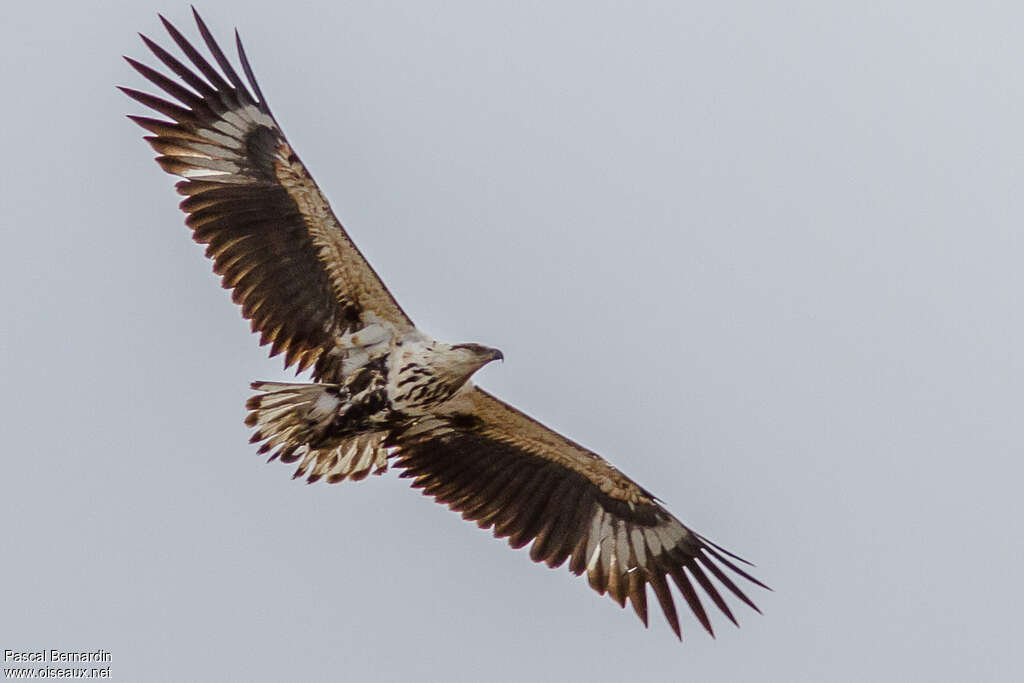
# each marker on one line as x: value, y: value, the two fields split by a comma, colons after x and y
x: 506, y: 471
x: 269, y: 230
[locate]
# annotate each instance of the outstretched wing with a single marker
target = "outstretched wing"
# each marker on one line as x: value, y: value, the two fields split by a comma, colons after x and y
x: 269, y: 230
x: 502, y: 469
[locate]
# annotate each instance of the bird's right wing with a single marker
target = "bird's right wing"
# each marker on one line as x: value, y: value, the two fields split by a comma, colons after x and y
x: 502, y: 469
x: 269, y: 230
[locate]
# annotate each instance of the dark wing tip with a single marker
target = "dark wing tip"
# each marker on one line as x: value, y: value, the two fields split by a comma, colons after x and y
x: 668, y: 606
x: 710, y: 590
x: 723, y: 550
x: 195, y: 15
x: 221, y: 58
x: 724, y: 579
x: 247, y: 69
x: 713, y: 550
x: 621, y: 547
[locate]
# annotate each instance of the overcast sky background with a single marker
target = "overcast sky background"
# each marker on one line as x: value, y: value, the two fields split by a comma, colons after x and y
x: 765, y: 257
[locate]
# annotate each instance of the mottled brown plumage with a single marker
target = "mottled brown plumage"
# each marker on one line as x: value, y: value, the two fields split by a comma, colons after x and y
x: 382, y: 388
x: 251, y: 201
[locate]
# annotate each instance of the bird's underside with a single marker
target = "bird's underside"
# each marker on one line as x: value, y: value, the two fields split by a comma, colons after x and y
x: 382, y: 389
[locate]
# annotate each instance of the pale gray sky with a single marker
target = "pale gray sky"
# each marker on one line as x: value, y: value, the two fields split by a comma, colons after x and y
x: 765, y: 257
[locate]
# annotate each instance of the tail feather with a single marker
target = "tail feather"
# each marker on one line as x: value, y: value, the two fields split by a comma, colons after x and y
x: 289, y: 417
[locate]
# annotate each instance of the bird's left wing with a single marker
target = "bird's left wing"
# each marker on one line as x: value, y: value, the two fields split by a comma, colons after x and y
x: 502, y: 469
x: 269, y: 230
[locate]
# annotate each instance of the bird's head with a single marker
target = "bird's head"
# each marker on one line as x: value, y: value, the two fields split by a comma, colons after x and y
x: 458, y: 362
x: 430, y: 373
x: 475, y: 355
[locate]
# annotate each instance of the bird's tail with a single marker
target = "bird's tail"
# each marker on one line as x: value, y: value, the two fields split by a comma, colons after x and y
x: 292, y: 420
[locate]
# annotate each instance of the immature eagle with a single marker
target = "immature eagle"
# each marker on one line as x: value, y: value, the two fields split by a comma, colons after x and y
x: 383, y: 389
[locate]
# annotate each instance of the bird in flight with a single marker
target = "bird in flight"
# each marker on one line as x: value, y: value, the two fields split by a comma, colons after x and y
x: 383, y: 390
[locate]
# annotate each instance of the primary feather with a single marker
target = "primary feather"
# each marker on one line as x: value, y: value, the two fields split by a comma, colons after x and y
x: 383, y: 389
